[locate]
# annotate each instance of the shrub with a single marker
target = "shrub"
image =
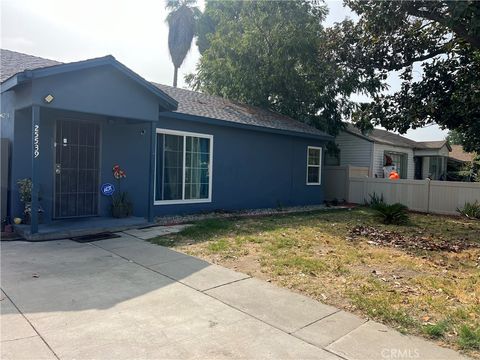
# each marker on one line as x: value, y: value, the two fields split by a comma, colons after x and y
x: 471, y: 210
x: 25, y: 190
x: 391, y: 214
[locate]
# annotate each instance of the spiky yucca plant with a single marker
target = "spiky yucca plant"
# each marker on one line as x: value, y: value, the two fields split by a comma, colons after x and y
x: 396, y: 214
x: 470, y: 210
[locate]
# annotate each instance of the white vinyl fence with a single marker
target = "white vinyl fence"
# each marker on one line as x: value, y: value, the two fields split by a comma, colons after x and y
x: 440, y: 197
x: 336, y: 180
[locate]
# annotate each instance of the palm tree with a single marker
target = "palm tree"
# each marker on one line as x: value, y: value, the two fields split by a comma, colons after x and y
x: 181, y: 23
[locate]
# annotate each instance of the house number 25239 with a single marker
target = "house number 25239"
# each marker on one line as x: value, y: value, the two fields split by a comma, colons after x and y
x: 36, y: 136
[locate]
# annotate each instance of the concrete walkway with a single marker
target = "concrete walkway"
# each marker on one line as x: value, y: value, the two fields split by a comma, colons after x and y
x: 125, y: 298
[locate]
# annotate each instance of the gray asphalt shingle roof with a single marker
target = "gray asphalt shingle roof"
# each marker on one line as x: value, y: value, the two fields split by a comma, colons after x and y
x: 389, y: 138
x: 189, y: 102
x: 198, y: 104
x: 12, y: 62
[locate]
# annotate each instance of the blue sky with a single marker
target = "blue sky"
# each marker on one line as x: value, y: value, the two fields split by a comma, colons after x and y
x: 133, y: 31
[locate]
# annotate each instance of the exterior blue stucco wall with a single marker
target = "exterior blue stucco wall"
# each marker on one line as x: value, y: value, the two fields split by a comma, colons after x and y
x: 251, y: 169
x: 128, y: 145
x: 102, y: 91
x: 7, y: 118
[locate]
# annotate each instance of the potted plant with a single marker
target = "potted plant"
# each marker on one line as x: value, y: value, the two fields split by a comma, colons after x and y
x: 25, y: 191
x: 121, y: 204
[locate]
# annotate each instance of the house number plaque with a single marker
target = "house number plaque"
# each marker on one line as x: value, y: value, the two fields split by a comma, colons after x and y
x: 36, y: 141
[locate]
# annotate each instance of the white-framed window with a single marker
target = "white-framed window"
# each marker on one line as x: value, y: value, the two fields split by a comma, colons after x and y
x: 183, y: 167
x: 314, y: 165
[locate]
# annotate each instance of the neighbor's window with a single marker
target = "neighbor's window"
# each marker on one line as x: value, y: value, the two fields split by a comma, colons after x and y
x: 183, y: 167
x: 314, y: 161
x: 400, y: 162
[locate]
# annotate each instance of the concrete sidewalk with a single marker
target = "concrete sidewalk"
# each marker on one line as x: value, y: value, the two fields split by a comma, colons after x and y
x: 126, y: 298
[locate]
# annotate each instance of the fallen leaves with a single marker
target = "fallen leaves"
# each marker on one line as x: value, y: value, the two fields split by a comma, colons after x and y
x: 379, y: 237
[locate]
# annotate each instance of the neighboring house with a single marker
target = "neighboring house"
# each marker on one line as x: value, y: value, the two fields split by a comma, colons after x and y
x: 183, y: 151
x: 459, y: 155
x: 413, y: 160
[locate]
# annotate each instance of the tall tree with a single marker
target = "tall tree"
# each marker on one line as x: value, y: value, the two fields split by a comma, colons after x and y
x: 181, y: 29
x: 454, y: 137
x: 276, y: 55
x: 440, y: 40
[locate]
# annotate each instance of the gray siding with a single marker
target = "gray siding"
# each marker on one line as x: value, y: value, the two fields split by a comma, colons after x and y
x: 354, y: 150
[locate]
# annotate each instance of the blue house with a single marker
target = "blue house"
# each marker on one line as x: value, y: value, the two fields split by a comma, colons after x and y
x: 68, y: 124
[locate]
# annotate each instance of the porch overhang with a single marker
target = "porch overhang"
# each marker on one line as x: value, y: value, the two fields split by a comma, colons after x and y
x: 114, y: 133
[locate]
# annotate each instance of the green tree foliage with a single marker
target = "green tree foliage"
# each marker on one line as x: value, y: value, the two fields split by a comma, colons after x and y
x: 444, y: 38
x: 277, y: 55
x: 454, y: 137
x: 181, y: 29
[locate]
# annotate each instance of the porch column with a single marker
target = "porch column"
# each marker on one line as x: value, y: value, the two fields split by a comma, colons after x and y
x: 151, y: 182
x: 35, y: 168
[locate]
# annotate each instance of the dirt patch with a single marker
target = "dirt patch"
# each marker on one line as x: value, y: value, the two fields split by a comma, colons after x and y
x: 381, y: 237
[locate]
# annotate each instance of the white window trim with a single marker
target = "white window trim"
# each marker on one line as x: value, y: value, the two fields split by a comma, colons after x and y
x: 210, y: 168
x: 319, y: 165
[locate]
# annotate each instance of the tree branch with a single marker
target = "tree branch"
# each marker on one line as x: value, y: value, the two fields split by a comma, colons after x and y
x: 461, y: 31
x: 430, y: 55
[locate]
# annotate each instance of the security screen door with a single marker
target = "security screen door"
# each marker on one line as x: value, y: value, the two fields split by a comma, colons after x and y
x: 77, y: 146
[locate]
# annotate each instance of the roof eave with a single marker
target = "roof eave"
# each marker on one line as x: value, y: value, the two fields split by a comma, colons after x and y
x: 365, y: 137
x: 220, y: 122
x: 10, y: 83
x: 166, y: 101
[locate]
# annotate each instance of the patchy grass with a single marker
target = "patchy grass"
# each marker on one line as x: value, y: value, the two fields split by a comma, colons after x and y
x: 469, y: 338
x: 435, y: 294
x: 437, y: 330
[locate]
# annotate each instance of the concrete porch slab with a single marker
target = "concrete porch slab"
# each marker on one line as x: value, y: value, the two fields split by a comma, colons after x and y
x: 64, y: 229
x: 199, y: 274
x: 278, y: 307
x: 324, y: 332
x: 376, y: 341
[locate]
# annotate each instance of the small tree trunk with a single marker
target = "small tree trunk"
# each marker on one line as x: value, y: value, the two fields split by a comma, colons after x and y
x: 175, y: 74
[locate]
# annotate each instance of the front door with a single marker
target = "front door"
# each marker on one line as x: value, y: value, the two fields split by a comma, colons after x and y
x: 77, y: 147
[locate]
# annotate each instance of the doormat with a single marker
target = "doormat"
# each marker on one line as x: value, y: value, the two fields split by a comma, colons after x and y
x: 95, y: 237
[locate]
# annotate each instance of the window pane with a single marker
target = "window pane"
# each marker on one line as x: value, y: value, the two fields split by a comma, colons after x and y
x: 172, y: 167
x: 313, y: 157
x: 197, y: 162
x: 313, y: 174
x: 171, y: 173
x: 400, y: 162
